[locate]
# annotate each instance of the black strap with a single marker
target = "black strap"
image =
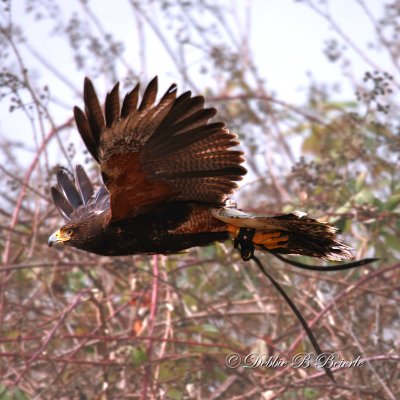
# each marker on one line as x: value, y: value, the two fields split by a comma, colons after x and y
x: 298, y: 314
x: 327, y: 268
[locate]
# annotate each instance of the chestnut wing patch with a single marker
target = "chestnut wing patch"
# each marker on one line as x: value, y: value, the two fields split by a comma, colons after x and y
x: 156, y: 153
x: 130, y: 188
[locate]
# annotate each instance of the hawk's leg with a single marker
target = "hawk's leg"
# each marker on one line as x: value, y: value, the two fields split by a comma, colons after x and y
x: 271, y: 240
x: 246, y: 239
x: 244, y: 242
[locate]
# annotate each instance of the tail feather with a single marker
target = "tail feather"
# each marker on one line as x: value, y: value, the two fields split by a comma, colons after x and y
x: 306, y: 236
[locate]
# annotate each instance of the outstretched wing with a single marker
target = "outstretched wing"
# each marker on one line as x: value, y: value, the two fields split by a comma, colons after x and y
x: 75, y: 198
x: 151, y: 154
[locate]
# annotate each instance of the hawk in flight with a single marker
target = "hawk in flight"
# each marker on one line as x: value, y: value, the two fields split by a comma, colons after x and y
x: 167, y: 174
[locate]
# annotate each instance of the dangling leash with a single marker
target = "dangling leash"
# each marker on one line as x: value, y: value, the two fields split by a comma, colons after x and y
x: 244, y: 243
x: 339, y: 267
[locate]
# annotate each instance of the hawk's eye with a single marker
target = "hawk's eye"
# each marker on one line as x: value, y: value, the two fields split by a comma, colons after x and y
x: 69, y: 232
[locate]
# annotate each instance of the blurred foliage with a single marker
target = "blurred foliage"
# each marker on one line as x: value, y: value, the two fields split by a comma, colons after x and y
x: 75, y: 325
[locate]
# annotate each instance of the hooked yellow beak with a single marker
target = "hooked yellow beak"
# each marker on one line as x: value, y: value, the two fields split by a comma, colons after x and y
x: 57, y: 237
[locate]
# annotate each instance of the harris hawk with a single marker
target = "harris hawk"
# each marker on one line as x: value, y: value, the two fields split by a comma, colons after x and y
x: 167, y: 173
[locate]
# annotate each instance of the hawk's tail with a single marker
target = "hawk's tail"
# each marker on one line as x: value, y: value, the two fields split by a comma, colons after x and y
x: 293, y: 233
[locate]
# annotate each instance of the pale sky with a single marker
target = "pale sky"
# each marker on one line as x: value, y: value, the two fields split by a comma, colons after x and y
x: 286, y: 39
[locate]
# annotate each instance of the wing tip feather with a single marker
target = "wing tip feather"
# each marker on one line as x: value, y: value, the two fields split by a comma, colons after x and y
x: 112, y: 106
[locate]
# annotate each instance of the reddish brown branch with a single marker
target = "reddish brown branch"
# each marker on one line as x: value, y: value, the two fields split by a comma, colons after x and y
x: 147, y: 380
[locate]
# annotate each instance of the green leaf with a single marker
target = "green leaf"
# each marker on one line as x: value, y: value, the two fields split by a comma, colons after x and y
x: 20, y: 395
x: 3, y: 392
x: 343, y: 104
x: 174, y: 394
x: 364, y: 196
x: 393, y: 242
x: 138, y: 355
x: 13, y: 394
x: 393, y: 202
x: 345, y: 208
x: 310, y: 393
x: 360, y: 180
x: 379, y: 204
x: 210, y: 328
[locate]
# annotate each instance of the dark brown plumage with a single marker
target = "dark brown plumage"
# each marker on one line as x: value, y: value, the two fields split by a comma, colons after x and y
x: 167, y: 172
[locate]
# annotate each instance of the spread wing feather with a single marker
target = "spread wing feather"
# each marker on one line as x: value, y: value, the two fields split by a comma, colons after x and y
x: 83, y: 184
x: 155, y: 153
x: 86, y: 133
x: 93, y: 111
x: 75, y: 199
x: 112, y: 110
x: 130, y: 102
x: 68, y: 188
x: 149, y: 95
x: 62, y: 204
